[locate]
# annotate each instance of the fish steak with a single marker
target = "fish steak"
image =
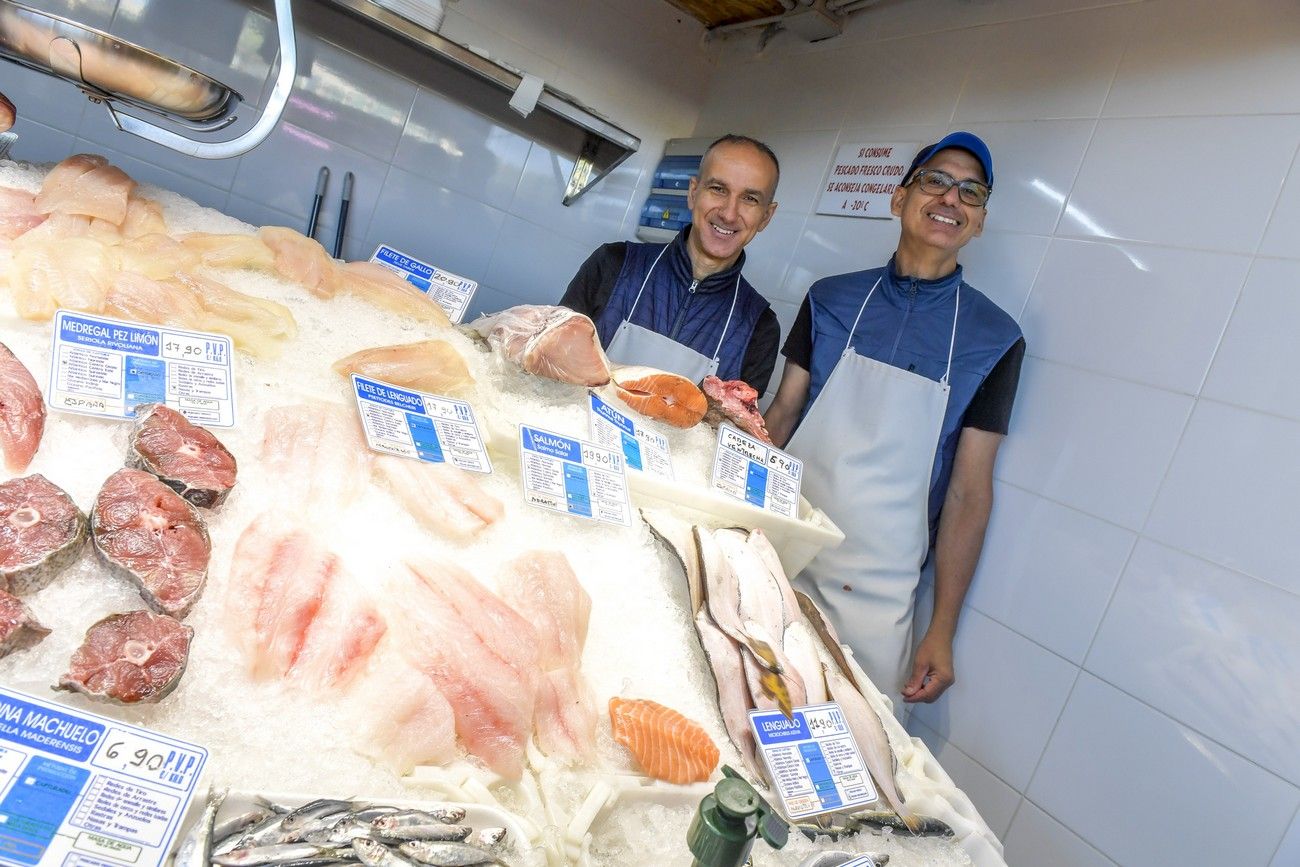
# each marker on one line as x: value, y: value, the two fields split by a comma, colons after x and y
x: 22, y: 412
x: 146, y: 532
x: 19, y: 628
x: 660, y: 395
x: 185, y: 457
x: 667, y: 745
x: 128, y: 658
x: 42, y: 532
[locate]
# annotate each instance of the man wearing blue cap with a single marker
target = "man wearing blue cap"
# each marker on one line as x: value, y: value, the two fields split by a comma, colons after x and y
x: 897, y: 392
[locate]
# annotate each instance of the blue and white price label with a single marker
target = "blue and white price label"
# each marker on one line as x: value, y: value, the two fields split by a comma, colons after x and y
x: 645, y: 450
x: 760, y: 474
x: 107, y: 367
x: 813, y: 760
x: 451, y: 291
x: 78, y: 788
x: 426, y: 427
x: 572, y: 476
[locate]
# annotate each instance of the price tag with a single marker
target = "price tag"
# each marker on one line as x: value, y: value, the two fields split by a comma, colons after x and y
x: 412, y: 424
x: 573, y: 477
x: 813, y: 760
x: 645, y: 450
x: 78, y: 788
x: 760, y: 474
x: 449, y: 290
x: 107, y: 367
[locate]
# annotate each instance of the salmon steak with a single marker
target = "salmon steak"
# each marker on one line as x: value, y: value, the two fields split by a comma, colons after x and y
x: 660, y: 395
x: 130, y: 658
x: 185, y: 457
x: 42, y: 532
x: 22, y: 412
x: 667, y: 745
x: 147, y: 533
x: 19, y: 628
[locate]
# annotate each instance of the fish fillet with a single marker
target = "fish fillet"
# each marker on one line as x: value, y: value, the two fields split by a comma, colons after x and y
x: 154, y: 255
x: 129, y: 658
x: 430, y: 366
x: 229, y: 251
x: 137, y: 298
x: 146, y: 532
x: 480, y: 655
x: 184, y: 456
x: 42, y: 532
x: 340, y: 641
x: 417, y: 725
x: 553, y: 342
x: 51, y: 272
x: 315, y: 454
x: 301, y: 260
x: 143, y: 217
x: 443, y: 498
x: 22, y: 412
x: 256, y: 325
x: 383, y: 288
x: 541, y: 586
x: 667, y: 745
x: 18, y: 213
x: 660, y: 395
x: 19, y: 628
x: 88, y: 186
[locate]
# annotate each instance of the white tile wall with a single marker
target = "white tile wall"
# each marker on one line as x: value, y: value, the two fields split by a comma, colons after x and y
x: 1138, y: 578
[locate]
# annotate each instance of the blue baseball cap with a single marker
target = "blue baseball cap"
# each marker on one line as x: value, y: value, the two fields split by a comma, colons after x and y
x: 966, y: 141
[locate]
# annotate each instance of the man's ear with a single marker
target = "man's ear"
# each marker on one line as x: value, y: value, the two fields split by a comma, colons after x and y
x: 896, y: 200
x: 690, y: 192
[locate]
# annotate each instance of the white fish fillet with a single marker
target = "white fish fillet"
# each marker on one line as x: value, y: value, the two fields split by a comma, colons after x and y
x: 86, y: 185
x: 316, y: 456
x: 406, y: 721
x: 443, y: 498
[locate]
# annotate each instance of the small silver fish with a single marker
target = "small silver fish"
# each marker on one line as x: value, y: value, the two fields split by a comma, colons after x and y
x: 436, y: 831
x: 375, y: 854
x: 196, y: 849
x: 279, y: 854
x: 265, y: 833
x: 342, y: 832
x: 487, y: 838
x: 447, y: 854
x: 432, y: 816
x: 317, y: 809
x: 239, y: 824
x: 372, y: 813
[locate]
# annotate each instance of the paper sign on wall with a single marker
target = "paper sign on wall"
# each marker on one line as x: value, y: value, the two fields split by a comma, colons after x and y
x: 862, y: 177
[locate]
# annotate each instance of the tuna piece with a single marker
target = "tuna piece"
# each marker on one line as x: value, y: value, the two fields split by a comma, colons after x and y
x: 19, y: 628
x: 146, y: 532
x: 660, y: 395
x: 185, y: 457
x: 553, y: 342
x: 22, y: 412
x: 737, y: 402
x: 42, y: 532
x: 127, y: 658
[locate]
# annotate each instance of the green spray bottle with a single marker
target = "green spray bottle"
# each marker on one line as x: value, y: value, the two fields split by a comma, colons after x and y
x: 727, y: 821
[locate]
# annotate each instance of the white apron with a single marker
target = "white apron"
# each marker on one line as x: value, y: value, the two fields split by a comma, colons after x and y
x: 633, y: 344
x: 868, y: 444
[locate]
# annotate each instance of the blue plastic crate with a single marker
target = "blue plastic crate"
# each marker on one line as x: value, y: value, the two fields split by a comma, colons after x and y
x: 675, y: 173
x: 665, y: 212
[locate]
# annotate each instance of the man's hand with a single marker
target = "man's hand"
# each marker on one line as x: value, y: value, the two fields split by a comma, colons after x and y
x: 7, y: 113
x: 932, y: 671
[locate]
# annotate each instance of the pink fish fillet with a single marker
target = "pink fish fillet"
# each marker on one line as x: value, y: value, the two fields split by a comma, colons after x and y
x: 553, y: 342
x: 22, y: 412
x: 443, y: 498
x: 481, y: 656
x: 87, y: 185
x: 278, y: 583
x: 315, y: 454
x: 541, y: 586
x: 417, y: 724
x: 340, y: 641
x: 18, y: 213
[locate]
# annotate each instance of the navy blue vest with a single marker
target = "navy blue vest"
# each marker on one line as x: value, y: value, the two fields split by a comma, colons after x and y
x: 668, y: 307
x: 908, y: 324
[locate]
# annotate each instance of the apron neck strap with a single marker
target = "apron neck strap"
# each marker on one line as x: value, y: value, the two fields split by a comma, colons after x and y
x: 717, y: 353
x: 952, y: 341
x: 848, y: 344
x: 637, y: 300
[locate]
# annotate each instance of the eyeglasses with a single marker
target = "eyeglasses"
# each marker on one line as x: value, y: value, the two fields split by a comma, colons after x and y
x: 936, y: 183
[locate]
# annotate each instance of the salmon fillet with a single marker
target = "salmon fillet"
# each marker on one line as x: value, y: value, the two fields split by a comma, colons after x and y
x: 666, y: 745
x: 660, y: 395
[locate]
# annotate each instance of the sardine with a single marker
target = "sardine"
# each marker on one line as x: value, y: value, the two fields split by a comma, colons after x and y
x: 196, y: 849
x: 445, y: 854
x: 432, y: 816
x: 265, y: 833
x: 372, y: 813
x: 438, y: 831
x: 374, y: 854
x: 280, y: 854
x: 239, y: 824
x: 320, y: 808
x: 342, y: 832
x: 487, y: 838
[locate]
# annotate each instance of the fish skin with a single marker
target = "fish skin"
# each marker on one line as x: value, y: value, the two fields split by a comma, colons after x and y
x: 36, y: 512
x: 196, y: 849
x: 448, y: 854
x: 430, y: 816
x: 121, y: 677
x: 439, y: 831
x: 22, y: 413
